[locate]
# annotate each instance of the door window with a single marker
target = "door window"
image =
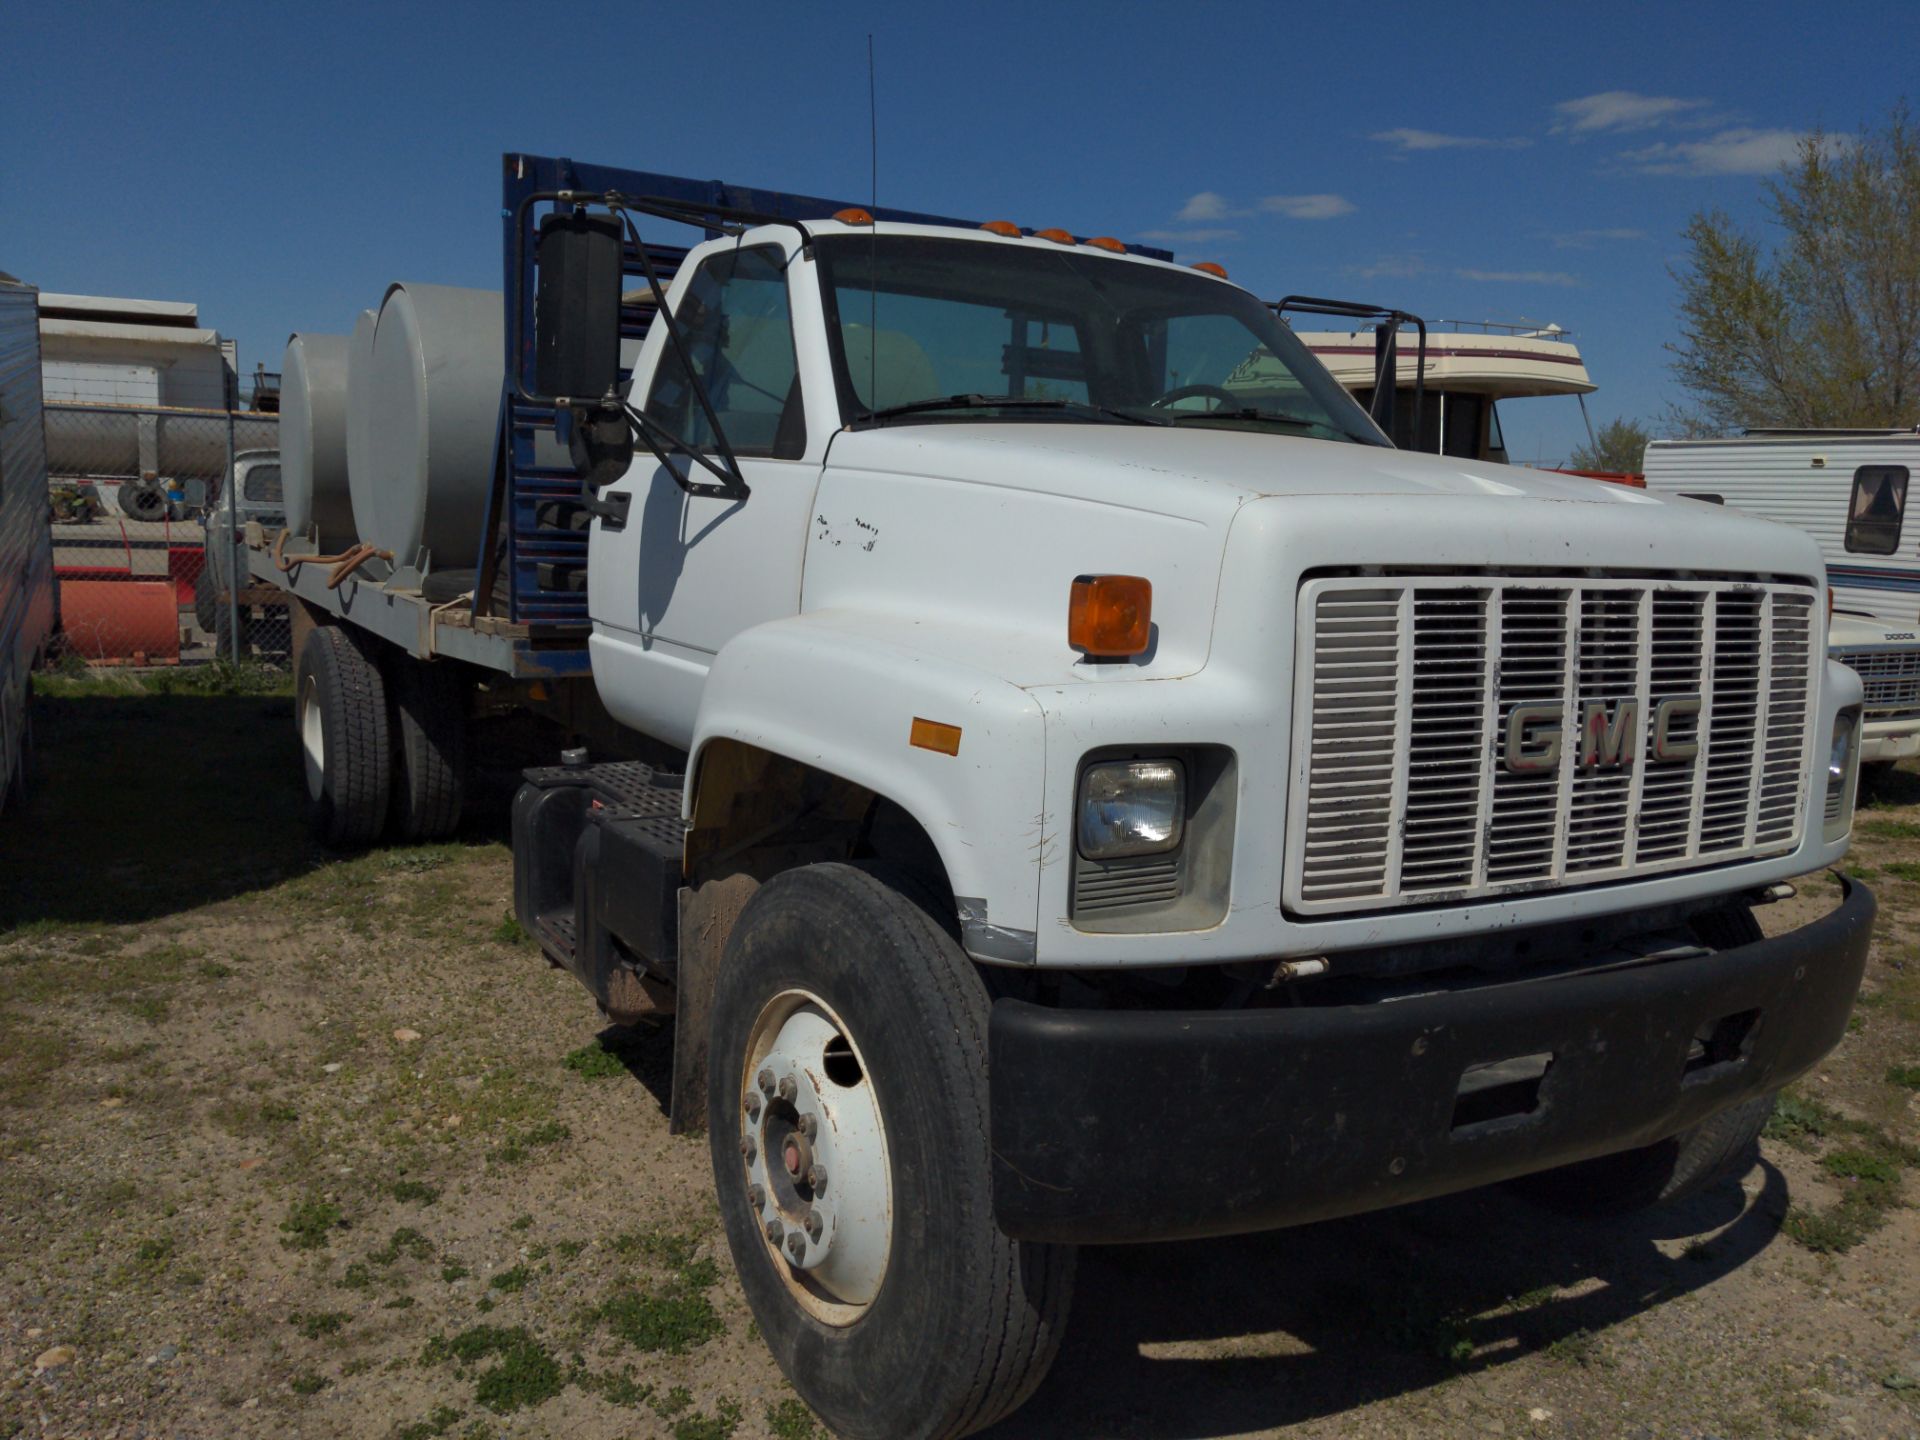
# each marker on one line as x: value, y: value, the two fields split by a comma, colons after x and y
x: 1879, y: 502
x: 738, y: 326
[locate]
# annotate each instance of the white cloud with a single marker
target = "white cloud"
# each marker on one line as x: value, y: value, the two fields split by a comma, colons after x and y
x: 1618, y: 110
x: 1204, y: 206
x: 1308, y: 207
x: 1405, y: 139
x: 1520, y: 277
x: 1390, y: 267
x: 1587, y: 239
x: 1740, y: 151
x: 1198, y: 236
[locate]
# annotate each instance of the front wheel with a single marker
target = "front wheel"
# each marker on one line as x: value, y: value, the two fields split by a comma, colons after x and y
x: 847, y: 1114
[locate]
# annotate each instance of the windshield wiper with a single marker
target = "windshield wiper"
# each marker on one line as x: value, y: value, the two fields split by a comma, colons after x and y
x: 1252, y: 413
x: 1005, y: 402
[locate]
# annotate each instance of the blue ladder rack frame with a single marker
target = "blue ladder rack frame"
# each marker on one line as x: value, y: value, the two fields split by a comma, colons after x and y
x: 519, y: 538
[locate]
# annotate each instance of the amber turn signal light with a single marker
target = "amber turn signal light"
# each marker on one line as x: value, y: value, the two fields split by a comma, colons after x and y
x: 1110, y: 616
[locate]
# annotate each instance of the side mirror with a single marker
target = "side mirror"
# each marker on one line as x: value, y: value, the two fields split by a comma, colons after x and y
x: 576, y: 311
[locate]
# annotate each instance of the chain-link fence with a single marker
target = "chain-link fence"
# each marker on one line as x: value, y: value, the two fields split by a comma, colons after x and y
x: 150, y: 507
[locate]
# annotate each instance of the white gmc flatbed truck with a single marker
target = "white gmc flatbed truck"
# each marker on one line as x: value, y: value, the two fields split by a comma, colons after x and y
x: 1062, y: 794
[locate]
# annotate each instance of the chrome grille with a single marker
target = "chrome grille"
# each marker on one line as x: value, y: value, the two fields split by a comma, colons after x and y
x: 1404, y: 792
x: 1891, y: 677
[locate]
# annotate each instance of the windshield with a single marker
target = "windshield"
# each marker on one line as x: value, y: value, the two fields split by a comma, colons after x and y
x: 928, y: 330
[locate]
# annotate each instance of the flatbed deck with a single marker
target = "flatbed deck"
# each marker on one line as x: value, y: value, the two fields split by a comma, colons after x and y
x: 423, y: 628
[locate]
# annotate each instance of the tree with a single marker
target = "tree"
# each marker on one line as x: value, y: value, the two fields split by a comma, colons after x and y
x: 1619, y: 447
x: 1824, y: 330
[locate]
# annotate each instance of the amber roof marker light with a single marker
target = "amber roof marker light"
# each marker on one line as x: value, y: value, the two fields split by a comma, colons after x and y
x: 1003, y: 227
x: 1207, y: 267
x: 1110, y: 617
x: 853, y: 215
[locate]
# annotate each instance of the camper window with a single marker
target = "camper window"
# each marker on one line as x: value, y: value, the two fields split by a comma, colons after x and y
x: 1879, y: 502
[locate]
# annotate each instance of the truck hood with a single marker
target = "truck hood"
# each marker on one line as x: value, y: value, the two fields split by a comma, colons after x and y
x: 1190, y: 470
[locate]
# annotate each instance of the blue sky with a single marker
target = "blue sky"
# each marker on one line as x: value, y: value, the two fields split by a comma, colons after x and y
x: 279, y: 165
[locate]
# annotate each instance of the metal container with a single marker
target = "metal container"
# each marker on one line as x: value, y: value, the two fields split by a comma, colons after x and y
x: 359, y: 435
x: 313, y: 439
x: 103, y: 442
x: 429, y: 422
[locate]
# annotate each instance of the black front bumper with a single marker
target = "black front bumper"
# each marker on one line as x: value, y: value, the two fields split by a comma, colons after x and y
x: 1115, y: 1125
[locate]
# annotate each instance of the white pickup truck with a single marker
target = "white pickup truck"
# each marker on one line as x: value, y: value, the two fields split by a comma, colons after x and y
x: 1885, y: 654
x: 1062, y: 793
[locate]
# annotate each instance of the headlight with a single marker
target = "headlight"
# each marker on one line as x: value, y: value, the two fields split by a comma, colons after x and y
x: 1132, y: 807
x: 1843, y: 763
x: 1840, y: 756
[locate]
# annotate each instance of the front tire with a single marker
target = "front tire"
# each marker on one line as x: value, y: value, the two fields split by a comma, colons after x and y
x: 849, y: 1037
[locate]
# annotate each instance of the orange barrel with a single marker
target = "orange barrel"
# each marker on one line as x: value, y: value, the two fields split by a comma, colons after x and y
x: 121, y: 621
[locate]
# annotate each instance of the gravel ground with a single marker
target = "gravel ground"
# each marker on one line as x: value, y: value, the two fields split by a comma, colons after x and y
x: 295, y: 1145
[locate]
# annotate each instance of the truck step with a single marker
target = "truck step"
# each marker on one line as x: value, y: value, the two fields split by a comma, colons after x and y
x: 597, y: 856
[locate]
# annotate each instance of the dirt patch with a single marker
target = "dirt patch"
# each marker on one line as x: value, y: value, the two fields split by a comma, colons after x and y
x: 290, y: 1143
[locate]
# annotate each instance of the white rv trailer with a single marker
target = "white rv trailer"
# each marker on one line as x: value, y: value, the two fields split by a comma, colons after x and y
x: 1848, y: 490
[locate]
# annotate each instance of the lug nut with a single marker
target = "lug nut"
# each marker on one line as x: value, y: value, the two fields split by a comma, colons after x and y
x: 796, y: 1246
x: 765, y: 1079
x: 814, y: 1225
x: 817, y: 1178
x: 775, y: 1230
x: 788, y: 1089
x: 753, y: 1106
x: 747, y: 1149
x: 809, y: 1126
x: 756, y: 1197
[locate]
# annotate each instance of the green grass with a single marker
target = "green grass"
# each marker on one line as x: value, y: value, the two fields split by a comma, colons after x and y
x: 524, y: 1372
x: 405, y: 1241
x: 1908, y: 870
x: 520, y: 1146
x: 718, y: 1426
x: 1890, y: 829
x: 1868, y: 1166
x: 310, y: 1223
x: 443, y: 1419
x: 319, y: 1323
x: 1907, y: 1077
x: 511, y: 1281
x: 791, y: 1420
x: 595, y: 1062
x: 415, y: 1192
x: 308, y: 1383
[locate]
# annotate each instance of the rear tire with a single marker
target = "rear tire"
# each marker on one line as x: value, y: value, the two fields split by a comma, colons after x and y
x: 843, y: 984
x: 430, y: 746
x: 1681, y: 1165
x: 340, y: 709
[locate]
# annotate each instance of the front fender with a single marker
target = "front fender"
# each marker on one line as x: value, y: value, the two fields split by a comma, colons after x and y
x: 840, y: 690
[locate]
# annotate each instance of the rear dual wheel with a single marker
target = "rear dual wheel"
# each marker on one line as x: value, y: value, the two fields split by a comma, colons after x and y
x: 379, y: 743
x: 847, y: 1115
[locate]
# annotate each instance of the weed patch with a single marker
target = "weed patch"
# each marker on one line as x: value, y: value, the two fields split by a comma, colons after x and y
x: 512, y: 1281
x: 1907, y: 1077
x: 791, y: 1420
x: 524, y: 1372
x: 443, y: 1419
x: 414, y: 1192
x: 520, y: 1146
x: 310, y: 1223
x: 405, y: 1241
x: 319, y: 1323
x: 308, y: 1384
x: 595, y: 1062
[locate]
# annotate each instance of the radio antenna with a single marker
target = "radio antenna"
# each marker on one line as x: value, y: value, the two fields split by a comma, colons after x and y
x: 873, y: 226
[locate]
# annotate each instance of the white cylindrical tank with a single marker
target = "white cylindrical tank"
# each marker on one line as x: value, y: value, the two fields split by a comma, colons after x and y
x: 431, y: 408
x: 313, y: 439
x: 359, y: 432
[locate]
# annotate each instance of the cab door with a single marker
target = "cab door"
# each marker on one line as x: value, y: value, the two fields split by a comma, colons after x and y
x: 686, y: 573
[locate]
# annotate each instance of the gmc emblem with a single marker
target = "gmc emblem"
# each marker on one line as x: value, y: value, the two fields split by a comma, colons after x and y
x: 1608, y: 740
